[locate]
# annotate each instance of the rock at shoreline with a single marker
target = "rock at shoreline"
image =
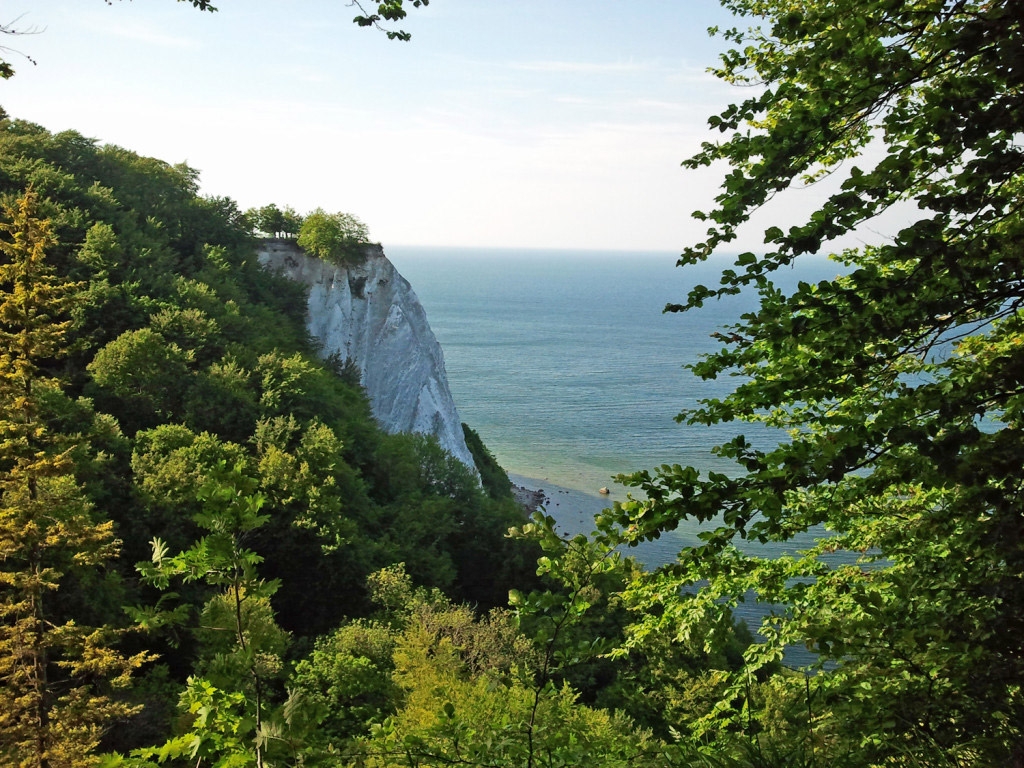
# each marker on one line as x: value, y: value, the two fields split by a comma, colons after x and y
x: 529, y: 499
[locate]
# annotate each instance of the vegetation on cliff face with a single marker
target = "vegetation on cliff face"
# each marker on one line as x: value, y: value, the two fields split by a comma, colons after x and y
x: 492, y: 476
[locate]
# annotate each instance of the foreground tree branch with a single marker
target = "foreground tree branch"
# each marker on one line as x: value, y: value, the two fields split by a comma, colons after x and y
x: 901, y: 380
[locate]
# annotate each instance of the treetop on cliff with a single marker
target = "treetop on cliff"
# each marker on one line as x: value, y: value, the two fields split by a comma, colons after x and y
x: 339, y: 238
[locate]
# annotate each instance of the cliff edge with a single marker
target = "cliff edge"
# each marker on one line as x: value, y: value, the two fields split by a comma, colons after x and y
x: 370, y: 315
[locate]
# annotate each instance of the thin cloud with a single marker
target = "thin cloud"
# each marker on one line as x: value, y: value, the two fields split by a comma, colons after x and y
x: 581, y: 67
x: 144, y: 33
x: 682, y: 107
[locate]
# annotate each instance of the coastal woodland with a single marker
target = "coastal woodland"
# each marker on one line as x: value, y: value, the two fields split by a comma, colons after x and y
x: 211, y: 556
x: 211, y: 553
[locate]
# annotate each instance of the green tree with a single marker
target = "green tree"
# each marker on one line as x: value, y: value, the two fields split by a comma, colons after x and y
x: 243, y: 643
x: 900, y: 383
x: 145, y: 372
x: 349, y: 675
x: 339, y: 238
x: 476, y: 693
x: 271, y: 220
x: 53, y: 710
x: 291, y: 221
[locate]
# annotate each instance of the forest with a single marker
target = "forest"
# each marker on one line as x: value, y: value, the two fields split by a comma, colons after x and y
x: 210, y: 555
x: 173, y: 447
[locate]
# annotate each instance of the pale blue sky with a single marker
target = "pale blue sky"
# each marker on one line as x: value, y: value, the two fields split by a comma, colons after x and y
x: 502, y: 123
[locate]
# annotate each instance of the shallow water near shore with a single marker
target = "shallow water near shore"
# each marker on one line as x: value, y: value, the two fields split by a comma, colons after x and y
x: 574, y: 512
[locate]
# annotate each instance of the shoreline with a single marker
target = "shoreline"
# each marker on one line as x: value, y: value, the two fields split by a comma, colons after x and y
x: 573, y: 510
x: 529, y: 499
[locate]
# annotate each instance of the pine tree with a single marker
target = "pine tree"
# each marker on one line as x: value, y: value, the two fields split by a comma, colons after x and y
x: 51, y: 714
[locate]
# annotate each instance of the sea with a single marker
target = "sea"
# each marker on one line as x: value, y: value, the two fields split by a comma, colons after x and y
x: 571, y: 372
x: 568, y: 367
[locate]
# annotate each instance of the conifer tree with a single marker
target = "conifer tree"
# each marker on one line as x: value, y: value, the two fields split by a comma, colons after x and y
x: 51, y: 714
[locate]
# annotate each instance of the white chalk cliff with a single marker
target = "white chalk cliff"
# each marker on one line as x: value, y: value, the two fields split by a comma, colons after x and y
x: 369, y: 314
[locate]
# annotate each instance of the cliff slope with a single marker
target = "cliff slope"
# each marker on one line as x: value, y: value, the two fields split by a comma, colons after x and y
x: 369, y: 314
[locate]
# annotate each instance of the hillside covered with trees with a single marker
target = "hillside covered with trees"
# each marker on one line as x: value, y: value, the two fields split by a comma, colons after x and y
x: 211, y: 553
x: 162, y: 404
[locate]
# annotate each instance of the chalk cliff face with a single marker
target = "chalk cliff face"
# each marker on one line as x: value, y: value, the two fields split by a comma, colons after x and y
x: 370, y: 315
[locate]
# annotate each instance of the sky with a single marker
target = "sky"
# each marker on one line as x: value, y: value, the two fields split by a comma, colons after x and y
x: 502, y: 123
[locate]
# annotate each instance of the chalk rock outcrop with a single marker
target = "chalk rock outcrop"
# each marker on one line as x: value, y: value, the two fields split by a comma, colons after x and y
x: 369, y: 314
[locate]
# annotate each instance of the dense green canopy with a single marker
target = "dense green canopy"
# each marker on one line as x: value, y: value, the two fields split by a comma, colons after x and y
x: 156, y: 384
x: 339, y: 238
